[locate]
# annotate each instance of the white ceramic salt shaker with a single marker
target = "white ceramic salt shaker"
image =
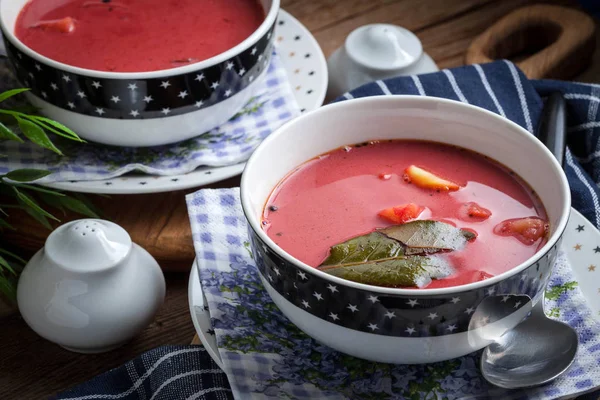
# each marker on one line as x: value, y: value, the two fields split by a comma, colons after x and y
x: 90, y: 289
x: 376, y: 51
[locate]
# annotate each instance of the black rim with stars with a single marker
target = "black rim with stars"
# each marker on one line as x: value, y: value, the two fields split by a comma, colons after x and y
x: 142, y: 98
x: 400, y: 315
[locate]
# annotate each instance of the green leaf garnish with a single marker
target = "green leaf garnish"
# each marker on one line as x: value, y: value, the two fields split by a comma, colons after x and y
x: 11, y: 93
x: 407, y: 271
x: 374, y: 246
x: 27, y: 174
x: 39, y: 218
x: 35, y: 128
x: 55, y: 127
x: 397, y: 256
x: 7, y: 134
x: 7, y: 266
x: 36, y: 134
x: 77, y: 206
x: 426, y: 237
x: 32, y: 205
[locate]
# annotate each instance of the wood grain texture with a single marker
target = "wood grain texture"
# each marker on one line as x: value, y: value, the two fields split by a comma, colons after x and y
x: 547, y: 41
x: 31, y: 368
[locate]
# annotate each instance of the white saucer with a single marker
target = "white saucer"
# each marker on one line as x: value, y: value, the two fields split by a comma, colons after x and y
x: 308, y: 77
x: 581, y: 242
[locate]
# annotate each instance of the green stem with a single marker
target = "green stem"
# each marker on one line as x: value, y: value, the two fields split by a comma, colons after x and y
x: 43, y: 124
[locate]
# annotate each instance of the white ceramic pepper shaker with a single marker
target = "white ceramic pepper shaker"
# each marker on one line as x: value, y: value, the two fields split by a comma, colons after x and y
x: 90, y: 289
x: 376, y: 51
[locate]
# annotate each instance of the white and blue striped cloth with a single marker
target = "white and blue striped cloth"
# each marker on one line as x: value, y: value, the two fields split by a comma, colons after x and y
x: 499, y: 87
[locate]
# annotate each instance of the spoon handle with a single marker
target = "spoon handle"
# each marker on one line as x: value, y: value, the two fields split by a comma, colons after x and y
x: 552, y: 129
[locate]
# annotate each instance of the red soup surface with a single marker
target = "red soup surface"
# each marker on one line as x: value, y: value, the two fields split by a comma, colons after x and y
x: 135, y: 35
x: 345, y: 193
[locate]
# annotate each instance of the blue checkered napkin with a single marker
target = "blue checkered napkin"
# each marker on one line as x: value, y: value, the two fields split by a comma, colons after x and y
x: 266, y: 356
x: 229, y: 144
x: 166, y: 373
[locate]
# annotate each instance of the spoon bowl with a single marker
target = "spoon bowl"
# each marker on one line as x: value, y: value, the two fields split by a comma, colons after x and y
x: 534, y: 353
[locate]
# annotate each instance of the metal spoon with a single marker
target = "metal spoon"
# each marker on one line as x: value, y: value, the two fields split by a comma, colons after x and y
x: 539, y: 349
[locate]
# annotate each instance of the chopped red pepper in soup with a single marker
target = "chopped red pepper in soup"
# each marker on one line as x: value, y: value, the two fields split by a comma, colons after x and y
x: 400, y: 214
x: 406, y: 214
x: 135, y: 35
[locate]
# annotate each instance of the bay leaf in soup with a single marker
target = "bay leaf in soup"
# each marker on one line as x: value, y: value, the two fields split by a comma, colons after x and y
x: 411, y: 271
x: 426, y: 237
x: 373, y: 246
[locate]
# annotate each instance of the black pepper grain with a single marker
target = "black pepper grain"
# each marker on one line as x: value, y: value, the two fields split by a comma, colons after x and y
x: 273, y: 208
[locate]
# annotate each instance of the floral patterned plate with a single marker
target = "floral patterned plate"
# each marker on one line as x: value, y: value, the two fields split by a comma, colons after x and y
x: 306, y: 68
x: 581, y: 243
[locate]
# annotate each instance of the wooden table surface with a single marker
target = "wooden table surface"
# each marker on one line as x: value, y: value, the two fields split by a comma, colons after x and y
x: 32, y: 368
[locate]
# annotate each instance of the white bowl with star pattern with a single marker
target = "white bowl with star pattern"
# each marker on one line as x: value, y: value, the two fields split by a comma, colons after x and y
x: 142, y: 108
x: 402, y: 326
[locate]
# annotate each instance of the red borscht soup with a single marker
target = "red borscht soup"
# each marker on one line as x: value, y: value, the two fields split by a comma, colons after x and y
x: 406, y: 213
x: 135, y: 35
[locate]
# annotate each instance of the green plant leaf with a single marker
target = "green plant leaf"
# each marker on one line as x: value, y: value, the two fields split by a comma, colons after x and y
x: 57, y: 125
x: 408, y: 271
x: 39, y: 218
x: 373, y: 246
x: 53, y: 201
x: 27, y: 175
x: 38, y: 189
x: 426, y: 237
x: 14, y: 256
x: 77, y: 206
x: 4, y: 224
x: 11, y: 93
x: 398, y: 255
x: 50, y: 128
x: 6, y: 265
x: 37, y: 135
x: 8, y: 288
x: 32, y: 205
x: 85, y: 200
x: 7, y: 134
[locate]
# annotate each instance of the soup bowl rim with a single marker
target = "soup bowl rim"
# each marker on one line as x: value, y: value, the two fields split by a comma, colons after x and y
x: 254, y: 223
x: 9, y: 34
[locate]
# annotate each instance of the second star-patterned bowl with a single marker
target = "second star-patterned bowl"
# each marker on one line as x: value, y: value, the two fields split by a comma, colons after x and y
x: 402, y: 326
x: 142, y: 108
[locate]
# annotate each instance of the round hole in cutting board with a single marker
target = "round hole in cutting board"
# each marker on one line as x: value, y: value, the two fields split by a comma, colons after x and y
x: 526, y: 41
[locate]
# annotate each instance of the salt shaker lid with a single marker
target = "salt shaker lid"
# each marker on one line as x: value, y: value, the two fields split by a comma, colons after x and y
x: 88, y: 245
x: 383, y: 46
